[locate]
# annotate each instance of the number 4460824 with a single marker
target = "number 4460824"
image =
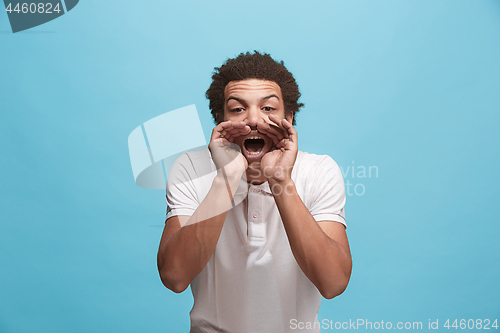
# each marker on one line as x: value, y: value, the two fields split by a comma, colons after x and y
x: 33, y: 8
x: 478, y: 324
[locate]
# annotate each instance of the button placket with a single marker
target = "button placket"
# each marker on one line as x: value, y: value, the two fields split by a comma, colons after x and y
x: 256, y: 225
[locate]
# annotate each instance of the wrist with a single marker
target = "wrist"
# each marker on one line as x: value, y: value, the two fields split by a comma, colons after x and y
x: 223, y: 177
x: 282, y: 186
x: 277, y: 174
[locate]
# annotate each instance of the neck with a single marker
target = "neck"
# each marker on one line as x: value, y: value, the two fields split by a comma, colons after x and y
x: 255, y: 176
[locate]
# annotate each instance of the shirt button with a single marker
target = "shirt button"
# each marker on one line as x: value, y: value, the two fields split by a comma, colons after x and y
x: 255, y: 215
x: 255, y: 190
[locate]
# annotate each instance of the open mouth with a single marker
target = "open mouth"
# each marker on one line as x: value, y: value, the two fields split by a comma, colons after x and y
x: 254, y: 145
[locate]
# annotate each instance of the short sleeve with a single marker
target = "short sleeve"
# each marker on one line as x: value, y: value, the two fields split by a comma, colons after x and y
x: 181, y: 195
x: 328, y: 192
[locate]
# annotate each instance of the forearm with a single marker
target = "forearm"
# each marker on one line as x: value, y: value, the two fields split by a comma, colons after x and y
x: 323, y: 260
x: 183, y: 255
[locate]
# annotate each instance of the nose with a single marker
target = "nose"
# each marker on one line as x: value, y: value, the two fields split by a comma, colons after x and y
x: 254, y: 116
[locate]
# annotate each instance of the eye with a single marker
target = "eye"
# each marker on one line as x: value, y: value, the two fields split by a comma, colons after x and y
x: 268, y: 108
x: 237, y: 110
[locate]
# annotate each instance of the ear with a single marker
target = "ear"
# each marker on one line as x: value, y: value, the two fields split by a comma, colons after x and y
x: 217, y: 118
x: 289, y: 117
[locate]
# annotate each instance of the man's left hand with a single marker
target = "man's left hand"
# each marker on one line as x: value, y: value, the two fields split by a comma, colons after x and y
x: 277, y: 164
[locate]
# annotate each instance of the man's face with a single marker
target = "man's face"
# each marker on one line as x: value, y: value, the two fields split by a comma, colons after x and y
x: 252, y: 101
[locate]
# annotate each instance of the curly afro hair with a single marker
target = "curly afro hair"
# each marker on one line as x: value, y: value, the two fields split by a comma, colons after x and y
x: 252, y: 66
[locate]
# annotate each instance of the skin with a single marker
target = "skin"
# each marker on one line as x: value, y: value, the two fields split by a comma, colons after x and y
x: 321, y: 249
x: 259, y: 105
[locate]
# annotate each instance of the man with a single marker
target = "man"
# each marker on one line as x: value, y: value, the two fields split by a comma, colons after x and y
x: 256, y: 227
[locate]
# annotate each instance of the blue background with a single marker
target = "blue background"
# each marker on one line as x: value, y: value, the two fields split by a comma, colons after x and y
x: 411, y: 87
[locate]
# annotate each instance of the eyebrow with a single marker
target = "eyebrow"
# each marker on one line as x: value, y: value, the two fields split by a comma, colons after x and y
x: 270, y: 96
x: 242, y: 100
x: 235, y: 98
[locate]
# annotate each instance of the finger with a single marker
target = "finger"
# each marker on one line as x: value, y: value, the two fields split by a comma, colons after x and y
x: 278, y: 123
x: 273, y: 134
x: 224, y: 125
x: 218, y: 131
x: 279, y: 131
x: 236, y: 132
x: 234, y: 136
x: 292, y: 133
x: 274, y: 119
x: 237, y: 129
x: 225, y: 130
x: 239, y: 124
x: 283, y: 143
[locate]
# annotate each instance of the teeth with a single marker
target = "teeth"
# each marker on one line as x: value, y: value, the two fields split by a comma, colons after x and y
x: 254, y: 137
x: 253, y: 152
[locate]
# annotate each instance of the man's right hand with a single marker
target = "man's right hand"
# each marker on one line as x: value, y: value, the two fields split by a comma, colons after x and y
x: 188, y: 243
x: 225, y: 153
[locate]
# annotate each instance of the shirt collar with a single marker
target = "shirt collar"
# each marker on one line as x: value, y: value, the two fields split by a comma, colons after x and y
x: 264, y: 187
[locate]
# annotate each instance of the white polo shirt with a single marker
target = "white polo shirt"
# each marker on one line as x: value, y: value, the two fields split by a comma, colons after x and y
x: 252, y: 282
